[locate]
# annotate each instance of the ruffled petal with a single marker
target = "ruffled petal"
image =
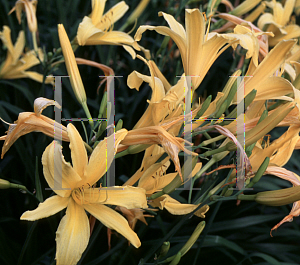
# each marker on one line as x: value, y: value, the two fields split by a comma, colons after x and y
x: 125, y: 196
x: 113, y: 220
x: 47, y: 208
x: 72, y: 235
x: 101, y: 158
x: 59, y: 174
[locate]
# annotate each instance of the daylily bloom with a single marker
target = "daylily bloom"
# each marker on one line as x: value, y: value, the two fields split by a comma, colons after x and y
x: 16, y: 64
x: 161, y: 104
x: 97, y: 29
x: 78, y: 195
x: 33, y: 122
x: 277, y: 23
x: 199, y: 50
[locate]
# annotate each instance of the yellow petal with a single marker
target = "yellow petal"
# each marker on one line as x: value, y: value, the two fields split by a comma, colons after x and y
x: 113, y: 220
x: 176, y: 208
x: 115, y: 13
x: 87, y: 29
x: 97, y: 10
x: 269, y: 65
x: 173, y: 24
x: 41, y: 103
x: 101, y: 158
x: 72, y: 235
x: 292, y: 31
x: 110, y: 38
x: 180, y: 42
x: 62, y: 182
x: 272, y: 88
x: 195, y: 30
x: 47, y: 208
x: 130, y: 51
x: 288, y: 10
x: 78, y: 152
x: 125, y: 196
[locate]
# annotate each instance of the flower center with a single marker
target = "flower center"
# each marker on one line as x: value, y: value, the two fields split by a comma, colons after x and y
x: 78, y: 196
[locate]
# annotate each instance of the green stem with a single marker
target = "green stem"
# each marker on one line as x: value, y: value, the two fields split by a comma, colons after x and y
x: 88, y: 114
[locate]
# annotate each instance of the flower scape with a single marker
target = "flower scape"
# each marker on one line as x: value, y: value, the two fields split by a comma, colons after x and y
x: 151, y: 132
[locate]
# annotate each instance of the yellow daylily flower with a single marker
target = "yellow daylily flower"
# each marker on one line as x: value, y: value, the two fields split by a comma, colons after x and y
x: 78, y: 195
x: 199, y: 50
x: 161, y: 104
x: 278, y: 22
x: 33, y: 122
x: 97, y: 29
x: 16, y: 64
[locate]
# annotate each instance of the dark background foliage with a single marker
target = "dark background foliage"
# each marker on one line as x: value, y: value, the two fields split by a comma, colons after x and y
x: 233, y: 234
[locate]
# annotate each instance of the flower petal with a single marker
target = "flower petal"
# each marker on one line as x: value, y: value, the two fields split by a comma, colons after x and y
x: 195, y: 30
x: 54, y: 164
x: 86, y: 29
x: 113, y: 220
x: 173, y: 24
x: 72, y: 235
x: 47, y: 208
x: 78, y: 152
x: 125, y: 196
x: 101, y: 158
x: 97, y: 10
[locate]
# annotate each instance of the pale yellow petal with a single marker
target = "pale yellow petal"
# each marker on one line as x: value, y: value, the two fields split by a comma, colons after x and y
x: 41, y: 103
x: 116, y: 12
x: 86, y: 29
x: 47, y: 208
x: 269, y: 65
x: 180, y: 42
x: 272, y: 88
x: 78, y: 151
x: 125, y: 196
x: 102, y: 157
x: 195, y: 30
x: 110, y: 38
x: 292, y: 31
x: 130, y: 51
x: 97, y: 10
x: 59, y: 174
x: 113, y: 220
x: 72, y: 235
x: 288, y: 10
x: 173, y: 24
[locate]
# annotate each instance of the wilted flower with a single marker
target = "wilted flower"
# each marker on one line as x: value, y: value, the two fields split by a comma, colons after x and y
x: 33, y: 122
